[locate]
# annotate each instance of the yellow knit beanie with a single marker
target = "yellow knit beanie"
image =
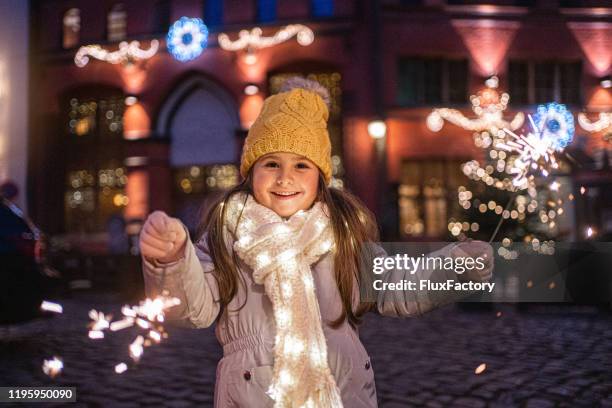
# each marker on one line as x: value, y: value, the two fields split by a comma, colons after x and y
x: 292, y: 121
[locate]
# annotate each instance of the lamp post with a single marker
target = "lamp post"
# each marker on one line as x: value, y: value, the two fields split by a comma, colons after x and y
x: 385, y: 198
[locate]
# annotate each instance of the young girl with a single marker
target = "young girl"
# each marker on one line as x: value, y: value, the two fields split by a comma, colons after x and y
x: 277, y: 268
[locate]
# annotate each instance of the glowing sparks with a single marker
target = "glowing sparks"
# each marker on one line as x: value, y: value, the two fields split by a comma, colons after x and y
x: 51, y: 307
x: 480, y: 369
x: 582, y: 190
x: 96, y: 334
x: 148, y: 315
x: 136, y: 348
x: 589, y: 232
x: 100, y: 321
x: 534, y: 152
x: 53, y: 367
x: 122, y: 324
x: 121, y: 368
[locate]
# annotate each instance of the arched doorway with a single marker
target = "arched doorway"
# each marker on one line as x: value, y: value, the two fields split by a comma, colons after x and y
x: 202, y: 122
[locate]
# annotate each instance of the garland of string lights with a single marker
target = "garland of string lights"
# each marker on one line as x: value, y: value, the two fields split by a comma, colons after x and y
x: 253, y: 39
x: 602, y: 124
x: 125, y: 54
x: 488, y: 105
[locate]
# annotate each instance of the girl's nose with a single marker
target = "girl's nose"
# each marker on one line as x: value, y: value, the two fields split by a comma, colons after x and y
x: 284, y: 178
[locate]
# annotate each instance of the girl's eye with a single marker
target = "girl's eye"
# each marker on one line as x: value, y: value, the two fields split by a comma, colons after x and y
x: 303, y: 166
x: 271, y: 164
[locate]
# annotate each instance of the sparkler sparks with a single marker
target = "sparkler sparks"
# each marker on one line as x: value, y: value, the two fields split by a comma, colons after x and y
x: 51, y: 307
x: 535, y: 152
x: 480, y: 369
x: 148, y: 315
x: 53, y: 367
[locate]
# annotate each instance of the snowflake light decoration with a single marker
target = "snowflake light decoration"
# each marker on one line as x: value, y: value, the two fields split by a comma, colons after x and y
x: 555, y: 123
x: 187, y: 38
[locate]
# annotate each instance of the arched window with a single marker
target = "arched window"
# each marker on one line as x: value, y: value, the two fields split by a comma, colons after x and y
x: 72, y: 28
x: 116, y: 23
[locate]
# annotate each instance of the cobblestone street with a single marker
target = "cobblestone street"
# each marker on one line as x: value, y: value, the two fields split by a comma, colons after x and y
x: 544, y: 357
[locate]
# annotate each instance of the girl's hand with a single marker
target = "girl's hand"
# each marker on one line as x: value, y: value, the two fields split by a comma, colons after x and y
x: 162, y: 238
x: 476, y: 249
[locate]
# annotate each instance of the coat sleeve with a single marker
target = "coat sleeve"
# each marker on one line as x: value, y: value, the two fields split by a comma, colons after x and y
x: 408, y: 303
x: 191, y: 279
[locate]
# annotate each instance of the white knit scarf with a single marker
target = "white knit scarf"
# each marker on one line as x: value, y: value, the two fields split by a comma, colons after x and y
x: 280, y: 253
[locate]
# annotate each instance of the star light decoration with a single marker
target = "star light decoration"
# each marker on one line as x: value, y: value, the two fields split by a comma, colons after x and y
x: 250, y: 41
x: 187, y: 38
x: 126, y: 54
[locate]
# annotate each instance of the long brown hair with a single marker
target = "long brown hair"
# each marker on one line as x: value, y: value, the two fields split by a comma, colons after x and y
x: 353, y: 225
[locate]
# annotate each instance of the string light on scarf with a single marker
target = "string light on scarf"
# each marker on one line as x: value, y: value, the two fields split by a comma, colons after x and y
x: 126, y: 54
x: 250, y: 41
x: 187, y: 38
x: 488, y: 105
x: 556, y: 123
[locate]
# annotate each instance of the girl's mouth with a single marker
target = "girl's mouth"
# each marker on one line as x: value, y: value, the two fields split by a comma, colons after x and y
x: 285, y: 195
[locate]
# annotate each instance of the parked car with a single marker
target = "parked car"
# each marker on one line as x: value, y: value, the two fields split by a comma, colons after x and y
x: 23, y: 272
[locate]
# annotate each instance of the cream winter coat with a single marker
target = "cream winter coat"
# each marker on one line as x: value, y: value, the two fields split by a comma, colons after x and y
x: 247, y: 336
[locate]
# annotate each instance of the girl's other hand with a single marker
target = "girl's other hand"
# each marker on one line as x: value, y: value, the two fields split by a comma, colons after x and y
x: 476, y: 249
x: 162, y: 238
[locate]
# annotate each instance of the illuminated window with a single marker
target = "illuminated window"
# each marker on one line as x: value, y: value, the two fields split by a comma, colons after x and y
x: 332, y: 81
x: 116, y: 23
x: 428, y: 196
x: 93, y: 196
x: 432, y: 81
x: 102, y: 118
x: 96, y: 179
x: 72, y: 28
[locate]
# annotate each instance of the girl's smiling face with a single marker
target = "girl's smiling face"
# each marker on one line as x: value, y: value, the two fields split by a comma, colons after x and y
x: 285, y: 183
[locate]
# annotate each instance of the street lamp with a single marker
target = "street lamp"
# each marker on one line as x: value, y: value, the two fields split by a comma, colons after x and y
x: 377, y: 129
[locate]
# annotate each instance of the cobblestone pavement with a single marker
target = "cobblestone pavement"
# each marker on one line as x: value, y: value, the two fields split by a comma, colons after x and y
x: 544, y: 357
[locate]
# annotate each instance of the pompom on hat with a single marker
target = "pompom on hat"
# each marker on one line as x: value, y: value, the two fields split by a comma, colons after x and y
x: 292, y: 121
